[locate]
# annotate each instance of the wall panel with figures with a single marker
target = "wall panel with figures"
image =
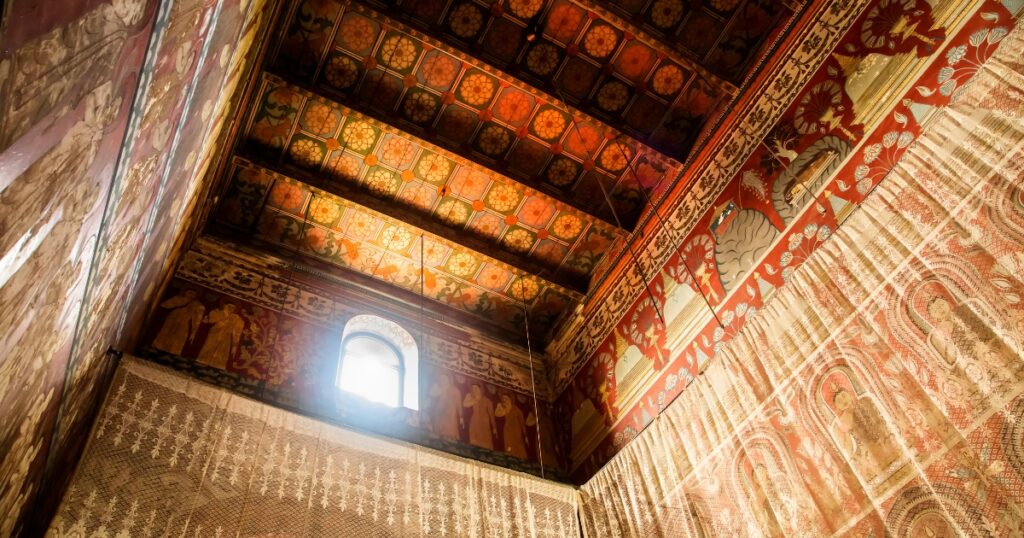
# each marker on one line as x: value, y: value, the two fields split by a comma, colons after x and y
x: 265, y: 333
x: 879, y: 392
x: 109, y: 109
x: 172, y: 455
x: 838, y: 138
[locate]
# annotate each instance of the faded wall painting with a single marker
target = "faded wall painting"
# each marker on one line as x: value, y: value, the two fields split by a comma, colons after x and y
x: 286, y: 360
x: 830, y: 148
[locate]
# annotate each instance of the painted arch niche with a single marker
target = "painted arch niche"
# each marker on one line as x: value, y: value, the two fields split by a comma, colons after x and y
x: 379, y: 361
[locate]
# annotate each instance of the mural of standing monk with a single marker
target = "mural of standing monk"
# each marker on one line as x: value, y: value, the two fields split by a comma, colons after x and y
x: 482, y: 428
x: 181, y: 324
x: 515, y: 427
x: 446, y: 412
x: 222, y: 340
x: 863, y: 434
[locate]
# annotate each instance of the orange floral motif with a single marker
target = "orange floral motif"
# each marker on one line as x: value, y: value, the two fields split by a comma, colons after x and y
x: 398, y: 52
x: 524, y: 9
x: 477, y: 89
x: 487, y: 225
x: 518, y: 240
x: 493, y: 277
x: 562, y: 172
x: 344, y: 166
x: 453, y: 212
x: 666, y: 13
x: 503, y: 198
x: 342, y: 72
x: 536, y: 211
x: 612, y: 96
x: 513, y: 106
x: 324, y: 210
x: 563, y: 21
x: 549, y: 124
x: 439, y: 70
x: 542, y: 59
x: 420, y: 107
x: 494, y: 140
x: 357, y: 33
x: 461, y: 264
x: 567, y: 227
x: 418, y: 195
x: 635, y: 60
x: 465, y: 20
x: 381, y: 182
x: 600, y: 41
x: 358, y: 135
x: 434, y: 168
x: 306, y: 152
x: 614, y: 156
x: 667, y: 80
x: 469, y: 183
x: 397, y: 151
x: 286, y: 196
x: 395, y: 238
x: 319, y: 119
x: 524, y: 289
x: 360, y: 225
x: 433, y: 252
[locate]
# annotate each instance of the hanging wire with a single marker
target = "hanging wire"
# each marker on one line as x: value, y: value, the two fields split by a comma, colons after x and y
x: 615, y: 215
x: 533, y: 383
x: 675, y: 240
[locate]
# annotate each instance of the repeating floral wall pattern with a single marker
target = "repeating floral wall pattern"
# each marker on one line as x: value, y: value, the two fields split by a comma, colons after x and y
x: 79, y: 218
x: 171, y: 455
x: 832, y: 145
x: 879, y: 392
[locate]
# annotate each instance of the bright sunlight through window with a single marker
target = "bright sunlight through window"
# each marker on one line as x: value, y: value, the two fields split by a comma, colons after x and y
x: 379, y: 362
x: 371, y: 368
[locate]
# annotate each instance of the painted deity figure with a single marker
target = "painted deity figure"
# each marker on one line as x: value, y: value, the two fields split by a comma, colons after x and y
x: 446, y: 414
x: 222, y: 340
x: 862, y: 434
x: 763, y: 491
x: 482, y: 428
x: 548, y: 447
x: 967, y: 344
x: 515, y: 426
x: 181, y: 324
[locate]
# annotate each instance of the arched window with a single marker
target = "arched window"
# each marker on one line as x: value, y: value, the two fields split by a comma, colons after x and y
x: 379, y: 362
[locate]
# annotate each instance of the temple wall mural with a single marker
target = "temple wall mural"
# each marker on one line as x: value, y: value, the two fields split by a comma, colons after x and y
x: 278, y: 340
x: 878, y: 393
x: 237, y: 467
x: 837, y: 139
x: 90, y: 123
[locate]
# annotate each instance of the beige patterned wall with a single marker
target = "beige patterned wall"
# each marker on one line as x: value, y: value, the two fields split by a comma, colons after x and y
x: 880, y: 392
x: 171, y: 456
x: 107, y: 111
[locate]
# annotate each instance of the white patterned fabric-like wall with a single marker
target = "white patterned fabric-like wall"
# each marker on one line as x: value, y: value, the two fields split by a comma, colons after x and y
x: 171, y: 456
x: 881, y: 392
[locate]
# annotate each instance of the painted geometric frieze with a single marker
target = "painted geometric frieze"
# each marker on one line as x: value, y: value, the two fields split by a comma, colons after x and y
x: 339, y: 146
x: 208, y: 266
x: 831, y: 193
x: 299, y: 218
x: 429, y: 88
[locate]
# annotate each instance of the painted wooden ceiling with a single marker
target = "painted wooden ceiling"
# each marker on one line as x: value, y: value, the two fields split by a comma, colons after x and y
x: 519, y: 142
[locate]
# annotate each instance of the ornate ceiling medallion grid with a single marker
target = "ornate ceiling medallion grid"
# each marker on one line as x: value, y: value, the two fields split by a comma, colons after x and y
x: 495, y: 119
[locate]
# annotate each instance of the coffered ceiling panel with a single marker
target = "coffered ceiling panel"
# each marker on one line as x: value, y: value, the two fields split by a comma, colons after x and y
x: 285, y: 212
x: 599, y: 155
